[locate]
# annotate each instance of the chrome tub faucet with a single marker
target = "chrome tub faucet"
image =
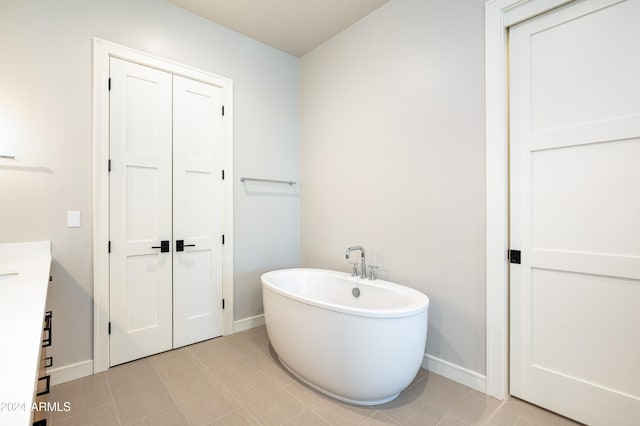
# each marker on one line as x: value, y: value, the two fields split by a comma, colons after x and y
x: 363, y: 265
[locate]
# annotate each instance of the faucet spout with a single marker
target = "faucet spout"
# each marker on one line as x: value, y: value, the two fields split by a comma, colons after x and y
x: 363, y: 270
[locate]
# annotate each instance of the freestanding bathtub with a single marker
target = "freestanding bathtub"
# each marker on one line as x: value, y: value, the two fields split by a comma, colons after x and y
x: 363, y: 350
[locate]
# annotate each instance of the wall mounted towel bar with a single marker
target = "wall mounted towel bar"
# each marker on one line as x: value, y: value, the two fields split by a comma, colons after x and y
x: 288, y: 182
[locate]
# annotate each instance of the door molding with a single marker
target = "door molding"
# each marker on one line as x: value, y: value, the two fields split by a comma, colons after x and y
x: 499, y: 16
x: 102, y: 52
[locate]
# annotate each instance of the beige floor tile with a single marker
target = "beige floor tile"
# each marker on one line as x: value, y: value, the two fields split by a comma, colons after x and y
x: 451, y: 420
x: 170, y: 416
x: 502, y: 417
x: 201, y: 412
x: 201, y: 398
x: 82, y: 395
x: 522, y: 421
x: 259, y: 353
x: 260, y: 332
x: 407, y: 409
x: 331, y: 410
x: 474, y: 408
x: 222, y: 361
x: 422, y: 373
x: 379, y: 419
x: 308, y: 418
x: 139, y: 395
x: 435, y: 390
x: 237, y: 418
x: 242, y: 342
x: 265, y: 400
x: 130, y: 369
x: 175, y: 364
x: 100, y: 416
x: 197, y: 384
x: 447, y: 385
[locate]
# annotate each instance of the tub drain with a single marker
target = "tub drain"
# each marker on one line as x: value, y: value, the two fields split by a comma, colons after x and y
x: 355, y: 292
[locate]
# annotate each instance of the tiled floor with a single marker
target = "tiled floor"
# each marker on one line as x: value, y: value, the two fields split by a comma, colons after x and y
x: 237, y: 380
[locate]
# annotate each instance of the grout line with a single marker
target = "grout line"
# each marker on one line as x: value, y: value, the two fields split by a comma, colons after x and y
x: 454, y: 417
x: 113, y: 401
x: 313, y: 410
x: 368, y: 417
x: 308, y: 410
x: 492, y: 415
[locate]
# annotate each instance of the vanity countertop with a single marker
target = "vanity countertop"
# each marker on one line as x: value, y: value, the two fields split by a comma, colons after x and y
x: 24, y: 278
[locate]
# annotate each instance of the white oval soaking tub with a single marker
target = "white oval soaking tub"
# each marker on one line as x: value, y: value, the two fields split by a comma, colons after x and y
x: 362, y: 350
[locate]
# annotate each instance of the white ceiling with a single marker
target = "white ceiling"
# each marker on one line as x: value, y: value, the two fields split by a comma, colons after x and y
x: 293, y: 26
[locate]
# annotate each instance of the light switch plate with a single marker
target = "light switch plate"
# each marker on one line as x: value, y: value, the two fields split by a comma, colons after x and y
x: 73, y: 219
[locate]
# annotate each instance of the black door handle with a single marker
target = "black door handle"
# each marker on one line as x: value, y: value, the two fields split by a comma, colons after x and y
x: 164, y: 246
x: 180, y: 245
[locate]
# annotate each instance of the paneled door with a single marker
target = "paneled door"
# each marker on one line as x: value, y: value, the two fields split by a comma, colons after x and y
x: 165, y: 211
x: 140, y: 211
x: 197, y: 218
x: 575, y: 211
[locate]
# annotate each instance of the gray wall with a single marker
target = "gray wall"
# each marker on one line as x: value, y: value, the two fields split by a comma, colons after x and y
x: 45, y: 106
x: 392, y: 158
x: 392, y: 150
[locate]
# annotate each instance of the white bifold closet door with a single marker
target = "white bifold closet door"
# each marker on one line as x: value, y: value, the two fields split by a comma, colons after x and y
x: 165, y: 211
x: 575, y: 211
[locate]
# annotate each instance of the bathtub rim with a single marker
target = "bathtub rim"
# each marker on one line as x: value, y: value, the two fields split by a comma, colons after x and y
x: 413, y: 309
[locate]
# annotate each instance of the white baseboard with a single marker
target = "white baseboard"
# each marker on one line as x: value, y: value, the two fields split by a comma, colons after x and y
x: 455, y: 372
x: 247, y: 323
x: 66, y: 373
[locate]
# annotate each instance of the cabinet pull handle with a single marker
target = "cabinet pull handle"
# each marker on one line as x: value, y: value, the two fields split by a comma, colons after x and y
x: 48, y: 328
x: 48, y: 362
x: 46, y: 378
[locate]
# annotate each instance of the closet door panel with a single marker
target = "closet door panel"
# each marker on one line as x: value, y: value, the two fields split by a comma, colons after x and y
x: 140, y: 211
x: 197, y: 211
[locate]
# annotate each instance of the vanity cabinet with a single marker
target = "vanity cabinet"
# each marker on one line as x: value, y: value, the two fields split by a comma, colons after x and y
x: 27, y: 329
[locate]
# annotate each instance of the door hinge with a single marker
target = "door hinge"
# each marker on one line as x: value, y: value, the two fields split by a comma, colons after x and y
x: 223, y: 110
x: 109, y: 164
x: 109, y: 327
x: 514, y: 256
x: 109, y: 83
x: 222, y: 174
x: 109, y: 246
x: 222, y: 303
x: 222, y: 238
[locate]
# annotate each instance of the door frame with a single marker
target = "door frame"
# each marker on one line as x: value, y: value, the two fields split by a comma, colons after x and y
x: 499, y: 16
x: 102, y: 52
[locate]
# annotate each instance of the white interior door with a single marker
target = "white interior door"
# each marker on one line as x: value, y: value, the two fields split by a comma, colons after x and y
x: 197, y: 183
x: 140, y: 211
x: 575, y: 211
